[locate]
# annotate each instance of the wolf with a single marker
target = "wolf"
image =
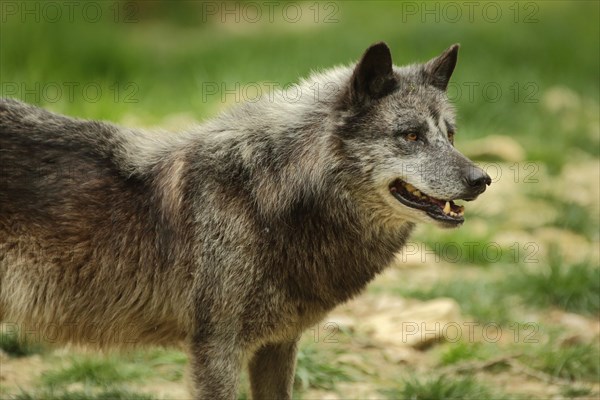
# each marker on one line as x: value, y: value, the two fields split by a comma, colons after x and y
x: 232, y: 237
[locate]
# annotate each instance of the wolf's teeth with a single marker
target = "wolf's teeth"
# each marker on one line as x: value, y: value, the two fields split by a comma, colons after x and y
x: 410, y: 187
x: 417, y: 193
x: 447, y: 208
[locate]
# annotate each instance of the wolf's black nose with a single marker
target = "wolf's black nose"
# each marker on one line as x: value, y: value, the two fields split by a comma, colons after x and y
x: 477, y: 179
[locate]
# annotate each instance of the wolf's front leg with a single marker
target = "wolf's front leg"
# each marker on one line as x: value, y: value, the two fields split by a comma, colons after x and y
x: 272, y: 371
x: 216, y: 366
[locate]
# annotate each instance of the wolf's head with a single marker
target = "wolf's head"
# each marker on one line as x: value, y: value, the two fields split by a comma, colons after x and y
x: 399, y: 128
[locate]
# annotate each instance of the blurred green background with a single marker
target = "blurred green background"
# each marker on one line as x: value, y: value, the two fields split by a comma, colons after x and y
x: 527, y: 91
x: 158, y: 53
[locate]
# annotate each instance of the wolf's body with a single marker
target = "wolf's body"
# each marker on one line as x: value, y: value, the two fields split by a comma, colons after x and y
x: 231, y: 238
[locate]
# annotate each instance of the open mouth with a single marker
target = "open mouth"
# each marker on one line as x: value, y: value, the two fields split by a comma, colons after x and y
x: 441, y: 210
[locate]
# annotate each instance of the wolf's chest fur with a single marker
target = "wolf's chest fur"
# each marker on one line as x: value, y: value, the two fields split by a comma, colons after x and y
x: 286, y: 248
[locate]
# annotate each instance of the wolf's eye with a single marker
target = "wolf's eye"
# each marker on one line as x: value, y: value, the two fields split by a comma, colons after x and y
x: 451, y: 136
x: 412, y: 136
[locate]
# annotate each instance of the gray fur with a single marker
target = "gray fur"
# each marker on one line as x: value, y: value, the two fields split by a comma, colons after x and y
x: 230, y: 238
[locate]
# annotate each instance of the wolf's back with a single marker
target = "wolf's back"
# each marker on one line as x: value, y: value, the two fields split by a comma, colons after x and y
x: 77, y: 230
x: 46, y: 158
x: 34, y: 126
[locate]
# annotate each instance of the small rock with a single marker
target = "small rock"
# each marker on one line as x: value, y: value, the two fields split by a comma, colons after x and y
x: 560, y: 98
x: 341, y: 322
x: 401, y: 355
x: 351, y: 358
x: 580, y: 326
x: 357, y: 390
x: 321, y: 394
x: 581, y: 179
x: 75, y: 387
x: 418, y: 325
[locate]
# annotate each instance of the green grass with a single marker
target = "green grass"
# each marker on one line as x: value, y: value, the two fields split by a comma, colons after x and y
x: 111, y: 394
x: 169, y: 364
x: 13, y: 346
x: 579, y: 361
x: 575, y: 218
x: 572, y: 216
x: 481, y: 299
x: 574, y: 288
x: 454, y: 353
x: 313, y: 370
x: 466, y: 248
x: 96, y: 371
x: 575, y: 391
x: 441, y: 387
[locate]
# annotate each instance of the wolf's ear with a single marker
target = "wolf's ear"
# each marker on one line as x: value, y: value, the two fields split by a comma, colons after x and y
x: 373, y: 76
x: 439, y: 70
